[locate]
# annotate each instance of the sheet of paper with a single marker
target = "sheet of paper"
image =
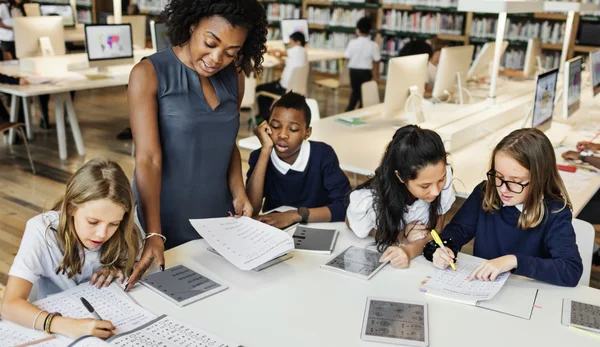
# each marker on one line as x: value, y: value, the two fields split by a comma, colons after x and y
x: 12, y: 334
x: 244, y: 242
x: 167, y: 332
x: 89, y: 341
x: 512, y: 300
x: 453, y: 285
x: 575, y: 182
x: 110, y: 303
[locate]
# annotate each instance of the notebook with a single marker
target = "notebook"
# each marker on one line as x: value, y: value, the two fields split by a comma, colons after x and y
x: 307, y: 239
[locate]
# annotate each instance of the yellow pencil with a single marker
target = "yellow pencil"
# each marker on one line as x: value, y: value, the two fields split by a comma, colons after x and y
x: 437, y: 240
x: 584, y: 331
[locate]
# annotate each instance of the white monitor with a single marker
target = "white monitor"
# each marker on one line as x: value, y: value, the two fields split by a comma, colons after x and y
x: 483, y: 60
x: 454, y: 62
x: 32, y: 10
x: 534, y: 50
x: 28, y: 31
x: 543, y: 107
x: 108, y: 44
x: 64, y: 11
x: 138, y: 28
x: 571, y: 86
x: 595, y: 70
x: 160, y: 39
x: 290, y: 26
x: 404, y: 73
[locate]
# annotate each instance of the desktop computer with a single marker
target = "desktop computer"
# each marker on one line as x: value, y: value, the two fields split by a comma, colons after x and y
x: 534, y: 50
x: 451, y: 76
x: 483, y: 60
x: 63, y: 11
x: 595, y: 70
x: 405, y: 80
x: 160, y: 39
x: 571, y: 86
x: 29, y: 30
x: 543, y: 106
x: 32, y: 10
x: 290, y: 26
x: 138, y: 28
x: 108, y: 45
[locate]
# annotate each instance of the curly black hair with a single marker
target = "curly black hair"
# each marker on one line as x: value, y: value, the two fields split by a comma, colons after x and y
x: 180, y: 15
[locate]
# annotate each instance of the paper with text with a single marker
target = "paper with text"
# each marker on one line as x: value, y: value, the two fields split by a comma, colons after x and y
x: 453, y: 285
x: 12, y: 334
x: 244, y: 242
x: 110, y: 303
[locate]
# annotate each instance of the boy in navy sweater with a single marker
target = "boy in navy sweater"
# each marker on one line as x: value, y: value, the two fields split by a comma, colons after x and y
x: 291, y: 171
x: 520, y: 217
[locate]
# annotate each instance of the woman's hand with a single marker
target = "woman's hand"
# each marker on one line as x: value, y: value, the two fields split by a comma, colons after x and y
x: 588, y: 146
x: 571, y: 155
x: 88, y: 326
x: 242, y: 205
x: 441, y: 259
x: 490, y: 269
x: 280, y: 219
x: 154, y: 248
x: 104, y: 277
x: 263, y: 132
x: 415, y: 231
x: 397, y: 256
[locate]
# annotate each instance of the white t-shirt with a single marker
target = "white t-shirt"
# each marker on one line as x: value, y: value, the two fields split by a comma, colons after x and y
x: 362, y: 218
x: 431, y: 73
x: 40, y: 254
x: 362, y: 52
x: 296, y: 57
x: 8, y: 20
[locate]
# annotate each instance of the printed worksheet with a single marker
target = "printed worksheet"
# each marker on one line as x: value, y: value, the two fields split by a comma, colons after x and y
x: 454, y: 286
x: 110, y: 303
x: 12, y: 334
x: 244, y: 242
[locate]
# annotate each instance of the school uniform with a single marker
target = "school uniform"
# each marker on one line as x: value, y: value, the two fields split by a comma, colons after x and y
x: 40, y: 255
x: 547, y: 252
x: 7, y: 37
x: 362, y: 217
x: 361, y: 53
x: 314, y: 180
x: 431, y: 73
x: 296, y: 57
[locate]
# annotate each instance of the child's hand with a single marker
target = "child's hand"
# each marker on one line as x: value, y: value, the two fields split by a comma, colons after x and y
x: 571, y: 155
x: 280, y: 220
x: 397, y: 256
x: 441, y: 260
x: 104, y: 277
x: 89, y: 326
x: 415, y: 231
x: 23, y: 81
x: 490, y: 269
x: 588, y: 146
x: 263, y: 132
x: 242, y: 206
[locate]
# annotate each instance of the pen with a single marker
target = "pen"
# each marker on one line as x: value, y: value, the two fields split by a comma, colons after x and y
x: 90, y: 308
x: 437, y: 240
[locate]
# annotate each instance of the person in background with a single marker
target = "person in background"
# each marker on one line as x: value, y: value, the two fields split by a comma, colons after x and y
x: 8, y: 11
x: 434, y: 49
x: 4, y: 115
x: 364, y: 56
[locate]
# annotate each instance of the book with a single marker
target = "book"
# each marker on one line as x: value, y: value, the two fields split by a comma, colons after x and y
x: 352, y: 122
x: 307, y: 239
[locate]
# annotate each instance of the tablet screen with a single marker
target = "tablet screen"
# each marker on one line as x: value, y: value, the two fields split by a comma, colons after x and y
x: 395, y: 320
x: 357, y: 260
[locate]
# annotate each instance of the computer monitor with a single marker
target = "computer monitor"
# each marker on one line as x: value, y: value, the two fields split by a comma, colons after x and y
x: 290, y: 26
x: 404, y: 73
x: 28, y: 31
x: 454, y: 62
x: 32, y: 10
x: 64, y: 11
x: 571, y: 86
x: 534, y: 50
x: 108, y: 44
x: 595, y: 70
x: 543, y: 107
x: 138, y: 28
x: 483, y: 60
x: 160, y: 39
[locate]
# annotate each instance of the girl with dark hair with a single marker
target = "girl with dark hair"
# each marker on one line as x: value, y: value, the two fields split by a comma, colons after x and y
x: 9, y: 10
x: 184, y: 110
x: 407, y: 197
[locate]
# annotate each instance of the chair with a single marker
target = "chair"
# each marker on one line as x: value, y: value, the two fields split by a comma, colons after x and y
x: 335, y: 84
x: 138, y: 28
x: 584, y: 237
x: 6, y: 126
x: 249, y: 99
x: 370, y: 93
x: 32, y: 10
x: 315, y: 114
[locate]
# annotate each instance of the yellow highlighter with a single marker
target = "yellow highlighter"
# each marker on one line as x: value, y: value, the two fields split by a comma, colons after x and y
x: 437, y: 240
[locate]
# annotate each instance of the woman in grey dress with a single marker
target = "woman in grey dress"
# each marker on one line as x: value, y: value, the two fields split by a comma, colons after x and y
x: 184, y: 111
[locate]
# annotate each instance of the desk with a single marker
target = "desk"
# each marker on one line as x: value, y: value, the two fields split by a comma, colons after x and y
x: 297, y: 304
x: 313, y: 55
x: 56, y: 67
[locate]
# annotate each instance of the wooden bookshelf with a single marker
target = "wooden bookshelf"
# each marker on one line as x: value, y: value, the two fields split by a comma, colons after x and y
x: 586, y: 49
x: 552, y: 46
x: 550, y: 16
x: 448, y: 37
x: 397, y: 7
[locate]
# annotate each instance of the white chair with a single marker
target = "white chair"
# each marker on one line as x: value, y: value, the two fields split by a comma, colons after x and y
x: 584, y: 237
x: 335, y: 84
x: 370, y: 93
x: 138, y: 28
x: 315, y: 114
x: 249, y: 99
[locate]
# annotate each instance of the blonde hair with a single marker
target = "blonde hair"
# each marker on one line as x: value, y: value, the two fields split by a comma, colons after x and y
x: 97, y: 179
x: 532, y: 150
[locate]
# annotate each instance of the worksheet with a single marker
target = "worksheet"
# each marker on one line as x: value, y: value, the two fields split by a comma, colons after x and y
x: 12, y: 334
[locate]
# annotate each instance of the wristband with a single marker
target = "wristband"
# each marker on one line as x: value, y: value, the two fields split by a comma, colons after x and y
x: 432, y: 246
x: 36, y: 318
x: 48, y: 321
x: 155, y: 234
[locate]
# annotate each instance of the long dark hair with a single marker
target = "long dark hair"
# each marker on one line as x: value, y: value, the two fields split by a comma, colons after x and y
x: 13, y: 3
x: 410, y: 150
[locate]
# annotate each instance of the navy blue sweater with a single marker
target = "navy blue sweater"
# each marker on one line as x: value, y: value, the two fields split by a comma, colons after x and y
x: 546, y: 253
x: 321, y: 184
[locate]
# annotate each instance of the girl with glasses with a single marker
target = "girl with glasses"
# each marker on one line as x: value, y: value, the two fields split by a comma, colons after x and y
x: 520, y: 216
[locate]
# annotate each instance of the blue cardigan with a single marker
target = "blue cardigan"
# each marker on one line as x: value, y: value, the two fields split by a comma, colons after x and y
x: 321, y: 184
x: 546, y: 253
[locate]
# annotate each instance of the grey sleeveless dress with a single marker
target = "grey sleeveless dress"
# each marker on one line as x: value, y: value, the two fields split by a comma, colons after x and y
x: 196, y: 144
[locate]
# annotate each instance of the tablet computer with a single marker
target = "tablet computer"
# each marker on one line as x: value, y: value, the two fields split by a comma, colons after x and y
x: 581, y: 315
x: 394, y: 321
x: 357, y: 262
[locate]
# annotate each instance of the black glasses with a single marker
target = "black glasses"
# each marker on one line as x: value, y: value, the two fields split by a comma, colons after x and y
x: 513, y: 187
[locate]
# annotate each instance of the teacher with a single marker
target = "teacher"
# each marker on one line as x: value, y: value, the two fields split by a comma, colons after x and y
x: 184, y: 111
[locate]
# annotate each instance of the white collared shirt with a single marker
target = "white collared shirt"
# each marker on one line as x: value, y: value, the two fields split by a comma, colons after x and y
x: 296, y: 57
x: 519, y: 207
x: 300, y: 163
x: 362, y: 52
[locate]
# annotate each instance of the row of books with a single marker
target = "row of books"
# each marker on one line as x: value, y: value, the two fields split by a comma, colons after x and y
x: 82, y: 2
x: 274, y: 34
x: 330, y: 40
x: 334, y: 16
x: 431, y: 3
x: 548, y: 32
x: 514, y: 59
x: 424, y: 22
x: 282, y: 11
x: 84, y: 16
x: 593, y: 13
x: 392, y: 45
x: 152, y: 6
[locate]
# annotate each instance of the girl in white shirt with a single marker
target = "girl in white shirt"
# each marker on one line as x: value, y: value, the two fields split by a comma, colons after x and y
x: 407, y: 197
x: 9, y: 10
x: 89, y: 235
